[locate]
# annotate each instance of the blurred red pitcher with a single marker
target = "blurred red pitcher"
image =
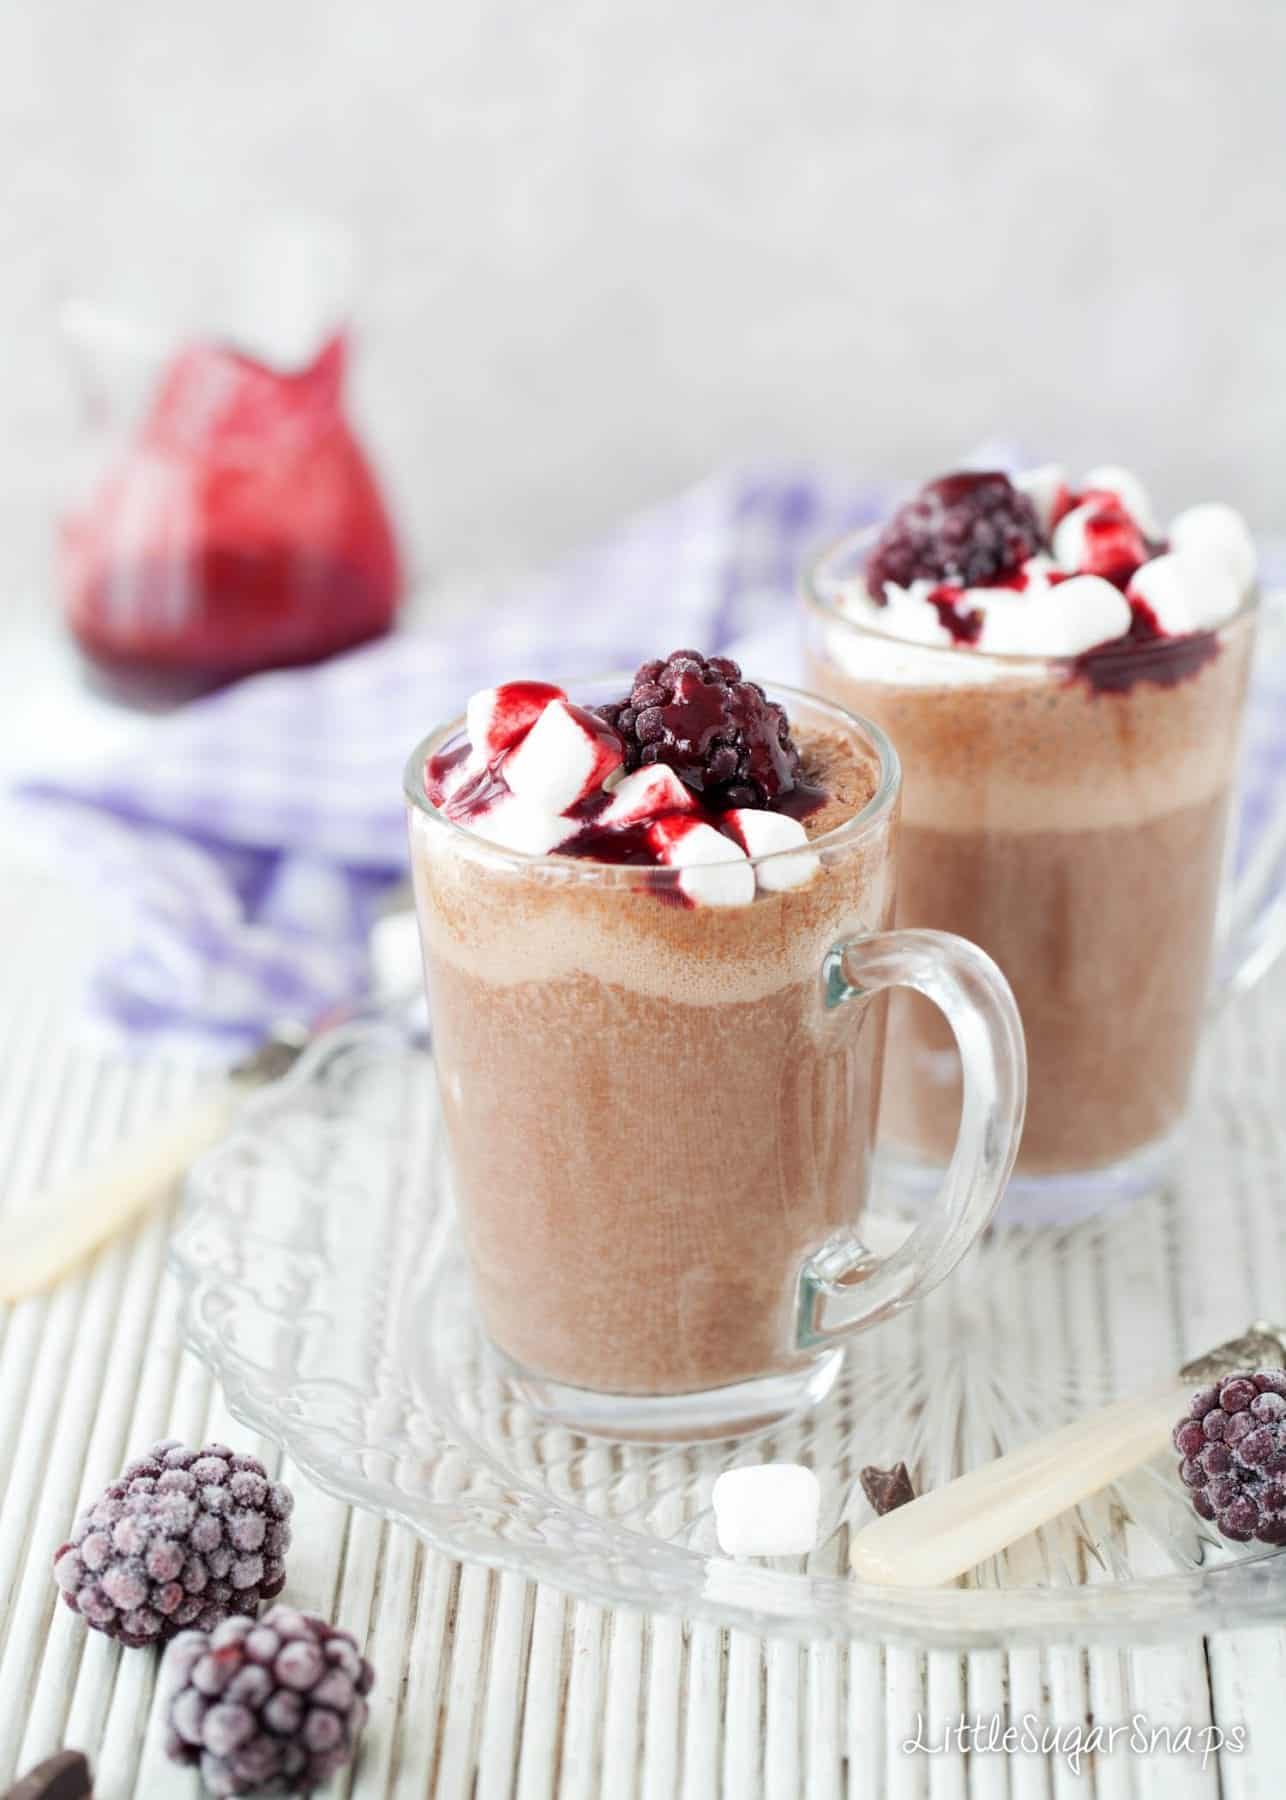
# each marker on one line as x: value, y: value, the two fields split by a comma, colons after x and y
x: 237, y: 524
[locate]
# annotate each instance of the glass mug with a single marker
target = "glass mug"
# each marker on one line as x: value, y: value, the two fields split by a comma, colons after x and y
x: 1076, y: 829
x: 659, y: 1116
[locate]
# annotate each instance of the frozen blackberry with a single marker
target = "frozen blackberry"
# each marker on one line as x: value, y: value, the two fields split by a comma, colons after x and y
x: 719, y: 733
x: 972, y: 529
x: 274, y: 1707
x: 1233, y: 1443
x: 182, y: 1537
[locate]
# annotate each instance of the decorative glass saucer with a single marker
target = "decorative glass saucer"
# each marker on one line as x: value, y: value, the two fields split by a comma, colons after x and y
x: 324, y: 1287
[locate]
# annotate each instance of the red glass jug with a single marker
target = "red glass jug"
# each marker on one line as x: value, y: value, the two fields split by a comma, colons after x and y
x: 237, y: 526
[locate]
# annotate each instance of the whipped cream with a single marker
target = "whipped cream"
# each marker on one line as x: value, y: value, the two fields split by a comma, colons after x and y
x: 1105, y: 566
x: 539, y: 775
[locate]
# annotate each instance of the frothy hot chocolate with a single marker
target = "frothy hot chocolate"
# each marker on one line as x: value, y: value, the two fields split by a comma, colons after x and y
x: 653, y: 1117
x: 1064, y: 681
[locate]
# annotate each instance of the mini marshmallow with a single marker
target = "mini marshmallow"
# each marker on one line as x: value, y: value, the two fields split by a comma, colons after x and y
x: 763, y: 833
x: 1046, y: 488
x: 1097, y: 538
x: 1125, y: 486
x: 714, y: 869
x: 1087, y: 610
x: 498, y: 717
x: 647, y: 794
x: 908, y: 615
x: 1187, y: 591
x: 1062, y: 620
x: 565, y: 755
x: 771, y: 1510
x: 516, y: 824
x: 1218, y: 531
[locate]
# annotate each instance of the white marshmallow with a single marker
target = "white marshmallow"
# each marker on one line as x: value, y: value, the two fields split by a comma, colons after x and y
x: 646, y: 794
x: 1109, y: 478
x: 908, y: 616
x: 715, y: 870
x: 771, y: 1510
x: 1218, y: 531
x: 498, y: 717
x: 763, y: 834
x: 1082, y: 550
x: 1053, y: 621
x: 1071, y: 536
x: 516, y: 824
x: 1082, y: 612
x: 565, y: 755
x: 1043, y: 488
x: 1187, y: 591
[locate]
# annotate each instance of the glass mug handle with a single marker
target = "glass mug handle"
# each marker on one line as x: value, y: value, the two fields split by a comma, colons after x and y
x: 844, y: 1286
x: 1253, y: 928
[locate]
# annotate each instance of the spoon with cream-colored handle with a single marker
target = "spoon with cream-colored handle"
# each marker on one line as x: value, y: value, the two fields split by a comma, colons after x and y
x: 954, y: 1528
x: 91, y: 1207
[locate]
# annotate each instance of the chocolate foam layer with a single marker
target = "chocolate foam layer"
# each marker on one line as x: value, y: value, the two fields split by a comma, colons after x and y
x: 990, y: 744
x: 507, y: 919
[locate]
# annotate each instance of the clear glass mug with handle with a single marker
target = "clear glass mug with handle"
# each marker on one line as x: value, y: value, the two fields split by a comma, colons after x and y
x: 659, y: 1115
x: 1077, y: 829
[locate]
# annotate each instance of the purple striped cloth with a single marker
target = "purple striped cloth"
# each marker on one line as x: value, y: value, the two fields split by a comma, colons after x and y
x: 249, y: 838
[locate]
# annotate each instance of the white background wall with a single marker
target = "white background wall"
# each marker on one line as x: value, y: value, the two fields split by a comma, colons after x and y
x: 609, y: 242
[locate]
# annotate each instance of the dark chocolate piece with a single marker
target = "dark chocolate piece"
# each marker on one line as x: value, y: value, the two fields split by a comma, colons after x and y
x: 62, y: 1777
x: 887, y: 1489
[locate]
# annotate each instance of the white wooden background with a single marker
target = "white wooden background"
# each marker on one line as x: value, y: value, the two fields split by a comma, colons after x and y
x: 488, y: 1686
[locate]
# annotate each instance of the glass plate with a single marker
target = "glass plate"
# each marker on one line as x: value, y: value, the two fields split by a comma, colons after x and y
x: 324, y: 1288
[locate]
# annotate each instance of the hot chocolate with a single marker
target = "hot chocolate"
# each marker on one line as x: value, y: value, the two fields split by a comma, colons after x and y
x: 1065, y: 684
x: 654, y: 1119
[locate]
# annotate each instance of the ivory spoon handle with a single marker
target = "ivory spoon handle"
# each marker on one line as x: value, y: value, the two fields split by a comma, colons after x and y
x: 94, y: 1204
x: 937, y: 1537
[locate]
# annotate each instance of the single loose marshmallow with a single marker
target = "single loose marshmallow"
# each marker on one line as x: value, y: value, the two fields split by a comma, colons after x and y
x: 1187, y: 591
x: 1218, y: 531
x: 1046, y: 488
x: 498, y: 717
x: 518, y: 824
x: 1125, y: 486
x: 1062, y: 620
x: 771, y: 1510
x: 566, y: 754
x: 647, y: 794
x: 1098, y: 538
x: 763, y: 833
x: 714, y: 871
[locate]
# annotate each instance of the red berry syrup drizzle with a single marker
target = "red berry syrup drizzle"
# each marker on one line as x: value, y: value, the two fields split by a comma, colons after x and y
x: 702, y: 728
x: 981, y: 523
x: 1145, y: 653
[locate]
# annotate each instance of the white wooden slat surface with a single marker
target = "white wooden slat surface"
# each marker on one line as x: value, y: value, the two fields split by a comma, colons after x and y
x: 488, y: 1685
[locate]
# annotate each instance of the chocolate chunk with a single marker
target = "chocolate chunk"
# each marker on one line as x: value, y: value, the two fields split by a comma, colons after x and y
x: 62, y: 1777
x: 887, y: 1489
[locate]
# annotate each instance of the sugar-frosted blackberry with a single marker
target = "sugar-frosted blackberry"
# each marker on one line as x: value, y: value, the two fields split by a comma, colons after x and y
x: 1232, y: 1440
x: 969, y: 530
x: 274, y: 1707
x: 718, y: 732
x: 182, y: 1537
